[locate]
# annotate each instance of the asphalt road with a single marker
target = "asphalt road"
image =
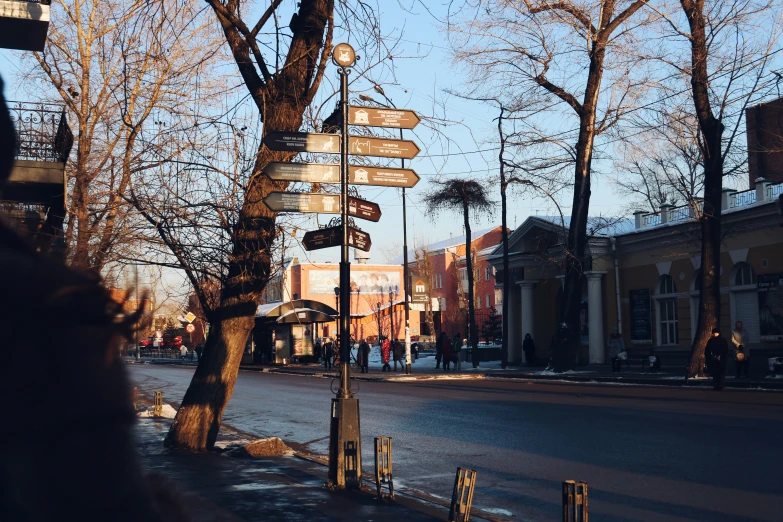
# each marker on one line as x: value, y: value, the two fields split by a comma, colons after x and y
x: 647, y: 453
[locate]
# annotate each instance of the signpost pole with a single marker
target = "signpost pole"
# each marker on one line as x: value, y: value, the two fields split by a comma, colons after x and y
x: 345, y: 449
x: 406, y: 283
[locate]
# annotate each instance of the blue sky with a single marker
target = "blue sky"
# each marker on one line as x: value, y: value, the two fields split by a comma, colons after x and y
x: 423, y: 74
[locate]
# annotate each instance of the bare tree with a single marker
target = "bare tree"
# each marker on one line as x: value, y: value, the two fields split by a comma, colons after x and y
x: 282, y: 68
x: 424, y: 269
x: 559, y: 51
x: 725, y: 64
x: 117, y: 65
x: 464, y: 197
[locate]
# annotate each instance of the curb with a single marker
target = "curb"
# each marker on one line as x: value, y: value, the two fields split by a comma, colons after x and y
x: 584, y: 379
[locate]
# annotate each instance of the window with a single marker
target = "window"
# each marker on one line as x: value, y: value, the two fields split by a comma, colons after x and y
x: 487, y: 271
x: 498, y: 296
x: 487, y: 300
x: 667, y: 311
x: 743, y: 274
x: 478, y: 302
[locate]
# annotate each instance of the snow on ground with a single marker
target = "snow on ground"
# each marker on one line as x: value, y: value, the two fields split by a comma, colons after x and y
x: 569, y: 372
x: 167, y: 412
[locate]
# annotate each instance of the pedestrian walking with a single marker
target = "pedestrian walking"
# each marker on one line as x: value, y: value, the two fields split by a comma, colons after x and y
x: 739, y: 339
x: 328, y: 353
x: 317, y: 350
x: 529, y: 347
x: 447, y: 353
x: 364, y: 349
x: 397, y: 354
x: 386, y: 355
x: 183, y: 351
x: 457, y: 357
x: 717, y: 350
x: 617, y: 351
x: 439, y: 349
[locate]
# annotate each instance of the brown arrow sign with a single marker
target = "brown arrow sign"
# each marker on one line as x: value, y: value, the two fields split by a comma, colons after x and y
x: 303, y: 202
x: 330, y: 173
x: 382, y: 176
x: 303, y: 142
x: 373, y: 117
x: 382, y: 147
x: 363, y: 209
x: 307, y: 172
x: 333, y: 236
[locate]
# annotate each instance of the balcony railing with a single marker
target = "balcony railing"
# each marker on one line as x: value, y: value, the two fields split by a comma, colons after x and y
x: 42, y: 132
x: 742, y: 199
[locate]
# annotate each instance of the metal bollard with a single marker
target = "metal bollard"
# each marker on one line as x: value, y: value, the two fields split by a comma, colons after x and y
x: 383, y: 464
x: 574, y: 501
x: 135, y: 398
x: 462, y: 497
x: 157, y: 409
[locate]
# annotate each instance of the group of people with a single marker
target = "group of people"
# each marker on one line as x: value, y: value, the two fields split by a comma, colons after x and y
x: 717, y: 351
x: 448, y: 351
x: 391, y: 350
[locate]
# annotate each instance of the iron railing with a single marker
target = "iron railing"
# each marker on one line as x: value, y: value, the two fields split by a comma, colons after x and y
x: 742, y: 199
x: 774, y: 191
x: 42, y: 132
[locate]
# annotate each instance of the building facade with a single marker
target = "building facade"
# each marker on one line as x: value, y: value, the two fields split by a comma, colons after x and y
x: 642, y: 278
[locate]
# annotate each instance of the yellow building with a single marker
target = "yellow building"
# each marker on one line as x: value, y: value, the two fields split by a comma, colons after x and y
x: 641, y: 277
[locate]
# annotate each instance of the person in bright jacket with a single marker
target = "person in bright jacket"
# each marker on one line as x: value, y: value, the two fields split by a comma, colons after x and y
x: 447, y: 353
x: 386, y: 355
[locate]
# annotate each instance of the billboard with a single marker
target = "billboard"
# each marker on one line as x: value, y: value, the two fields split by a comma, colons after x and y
x: 421, y: 290
x: 323, y: 282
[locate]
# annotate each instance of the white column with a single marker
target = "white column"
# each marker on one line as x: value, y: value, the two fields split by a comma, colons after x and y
x: 595, y: 317
x: 514, y: 344
x: 527, y: 304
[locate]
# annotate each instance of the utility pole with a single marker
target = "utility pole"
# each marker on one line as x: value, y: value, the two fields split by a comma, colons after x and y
x: 405, y: 274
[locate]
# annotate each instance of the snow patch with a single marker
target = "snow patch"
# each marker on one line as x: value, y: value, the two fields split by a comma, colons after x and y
x: 498, y: 511
x: 569, y: 372
x: 779, y: 376
x: 446, y: 376
x: 167, y: 412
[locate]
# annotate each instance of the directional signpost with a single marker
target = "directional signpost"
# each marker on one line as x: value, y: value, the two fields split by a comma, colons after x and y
x: 372, y: 117
x: 345, y: 468
x: 330, y: 173
x: 332, y: 236
x: 382, y: 147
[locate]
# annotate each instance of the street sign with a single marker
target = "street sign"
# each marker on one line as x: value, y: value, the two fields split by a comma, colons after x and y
x: 307, y: 172
x: 333, y: 236
x: 303, y: 142
x: 190, y: 317
x: 303, y: 202
x: 190, y: 328
x: 382, y: 176
x: 363, y: 209
x: 343, y: 55
x: 330, y: 173
x: 382, y: 147
x: 420, y: 292
x: 373, y: 117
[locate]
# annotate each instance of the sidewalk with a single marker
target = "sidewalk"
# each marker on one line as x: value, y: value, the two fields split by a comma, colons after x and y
x: 424, y: 368
x: 220, y: 487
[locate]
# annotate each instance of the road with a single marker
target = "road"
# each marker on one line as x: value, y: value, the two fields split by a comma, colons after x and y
x: 647, y: 453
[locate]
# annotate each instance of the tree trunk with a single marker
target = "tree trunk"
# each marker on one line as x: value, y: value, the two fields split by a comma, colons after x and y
x: 712, y: 134
x: 567, y: 341
x: 473, y: 339
x: 198, y: 419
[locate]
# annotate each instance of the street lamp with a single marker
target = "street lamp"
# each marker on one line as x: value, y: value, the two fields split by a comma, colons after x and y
x: 405, y: 275
x: 391, y: 314
x: 379, y: 324
x: 337, y: 301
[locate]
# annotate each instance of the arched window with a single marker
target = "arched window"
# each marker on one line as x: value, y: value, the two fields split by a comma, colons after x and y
x: 743, y: 274
x: 666, y: 285
x: 667, y: 311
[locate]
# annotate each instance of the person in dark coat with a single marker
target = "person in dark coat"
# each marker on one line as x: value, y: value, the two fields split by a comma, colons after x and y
x: 717, y: 350
x: 439, y: 349
x: 397, y: 354
x: 386, y: 355
x: 447, y: 352
x: 364, y: 350
x: 529, y: 347
x: 328, y: 353
x: 317, y: 350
